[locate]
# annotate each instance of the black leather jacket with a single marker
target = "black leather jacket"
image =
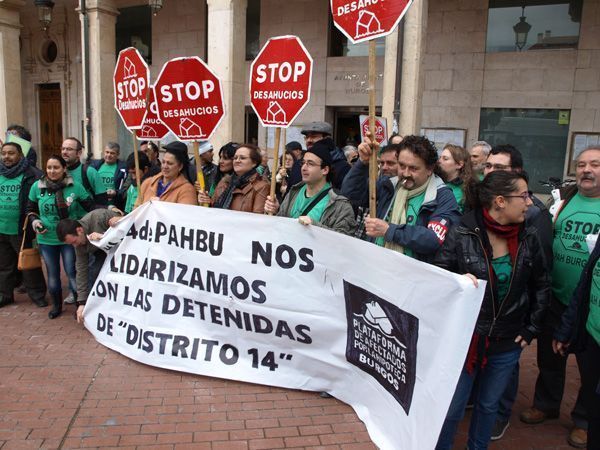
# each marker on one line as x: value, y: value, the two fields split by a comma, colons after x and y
x: 518, y: 313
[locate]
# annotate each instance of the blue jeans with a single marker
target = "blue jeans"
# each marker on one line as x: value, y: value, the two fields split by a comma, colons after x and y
x: 491, y: 383
x: 52, y: 255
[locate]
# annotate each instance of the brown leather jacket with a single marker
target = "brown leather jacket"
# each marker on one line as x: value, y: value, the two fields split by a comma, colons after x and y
x: 180, y: 191
x: 250, y: 198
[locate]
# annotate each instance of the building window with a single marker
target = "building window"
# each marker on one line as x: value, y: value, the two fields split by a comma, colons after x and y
x: 339, y: 45
x: 539, y: 134
x: 252, y: 29
x: 544, y: 24
x: 134, y: 29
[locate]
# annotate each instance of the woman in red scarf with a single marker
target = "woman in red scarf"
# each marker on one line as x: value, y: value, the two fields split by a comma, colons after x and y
x: 492, y: 243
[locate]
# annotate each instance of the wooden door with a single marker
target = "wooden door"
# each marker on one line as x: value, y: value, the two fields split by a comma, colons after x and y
x: 50, y: 122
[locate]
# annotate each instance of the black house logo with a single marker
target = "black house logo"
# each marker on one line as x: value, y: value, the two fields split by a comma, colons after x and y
x: 382, y: 341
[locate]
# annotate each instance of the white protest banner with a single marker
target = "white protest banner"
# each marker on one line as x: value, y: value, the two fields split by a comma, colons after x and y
x: 268, y: 300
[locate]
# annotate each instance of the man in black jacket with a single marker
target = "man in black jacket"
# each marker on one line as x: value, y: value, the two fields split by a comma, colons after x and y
x: 16, y: 178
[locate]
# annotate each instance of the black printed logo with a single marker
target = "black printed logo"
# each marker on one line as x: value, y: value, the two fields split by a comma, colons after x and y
x: 382, y: 341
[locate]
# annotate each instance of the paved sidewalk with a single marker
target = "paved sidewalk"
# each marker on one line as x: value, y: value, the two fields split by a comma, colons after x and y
x: 59, y: 389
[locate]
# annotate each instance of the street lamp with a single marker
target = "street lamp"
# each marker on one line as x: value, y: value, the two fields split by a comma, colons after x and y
x: 155, y: 6
x: 521, y: 30
x: 44, y: 12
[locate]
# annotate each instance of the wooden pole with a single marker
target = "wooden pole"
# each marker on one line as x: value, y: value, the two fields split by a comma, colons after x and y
x: 275, y: 162
x: 199, y: 173
x: 373, y: 163
x: 136, y: 160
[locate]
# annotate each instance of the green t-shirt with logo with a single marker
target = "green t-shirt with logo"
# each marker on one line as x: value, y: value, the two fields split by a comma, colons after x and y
x: 580, y: 217
x: 132, y: 195
x: 10, y: 190
x: 106, y: 177
x: 503, y: 270
x: 302, y: 201
x: 92, y: 176
x: 48, y: 212
x: 412, y: 212
x: 593, y: 321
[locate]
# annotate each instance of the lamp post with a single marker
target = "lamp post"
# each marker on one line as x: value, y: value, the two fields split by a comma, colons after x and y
x: 155, y: 6
x: 44, y: 8
x: 521, y: 30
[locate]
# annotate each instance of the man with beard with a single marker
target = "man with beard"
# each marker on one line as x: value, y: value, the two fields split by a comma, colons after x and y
x: 83, y: 174
x: 479, y: 154
x: 415, y: 209
x: 577, y: 217
x: 16, y: 178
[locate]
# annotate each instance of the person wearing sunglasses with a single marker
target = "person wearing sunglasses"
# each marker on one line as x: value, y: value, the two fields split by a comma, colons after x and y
x: 492, y: 243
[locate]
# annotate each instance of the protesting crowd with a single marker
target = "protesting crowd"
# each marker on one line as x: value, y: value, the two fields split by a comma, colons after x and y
x: 471, y: 212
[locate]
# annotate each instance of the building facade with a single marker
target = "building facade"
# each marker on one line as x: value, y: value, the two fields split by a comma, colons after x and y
x: 453, y: 70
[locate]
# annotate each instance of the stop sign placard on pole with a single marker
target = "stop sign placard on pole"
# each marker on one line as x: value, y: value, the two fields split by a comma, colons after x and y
x: 131, y: 85
x: 363, y: 20
x: 152, y: 127
x: 280, y: 79
x: 380, y: 129
x: 189, y: 98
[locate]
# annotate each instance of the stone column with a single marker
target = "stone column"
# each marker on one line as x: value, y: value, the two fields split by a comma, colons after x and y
x: 415, y: 31
x: 389, y: 78
x: 11, y: 98
x: 226, y: 57
x: 102, y: 16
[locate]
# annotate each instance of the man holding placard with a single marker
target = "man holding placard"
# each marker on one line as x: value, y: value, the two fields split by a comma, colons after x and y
x: 313, y: 201
x: 414, y: 210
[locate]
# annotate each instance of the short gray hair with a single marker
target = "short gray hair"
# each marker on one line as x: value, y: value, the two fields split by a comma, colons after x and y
x: 484, y: 145
x: 114, y: 146
x: 349, y: 148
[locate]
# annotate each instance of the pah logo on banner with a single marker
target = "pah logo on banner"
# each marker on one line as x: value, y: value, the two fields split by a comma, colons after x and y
x: 382, y: 341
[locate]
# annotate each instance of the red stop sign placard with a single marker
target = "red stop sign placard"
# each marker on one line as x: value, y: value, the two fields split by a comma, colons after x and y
x: 131, y: 85
x: 280, y: 78
x: 152, y: 127
x: 189, y: 98
x: 363, y: 20
x: 380, y: 129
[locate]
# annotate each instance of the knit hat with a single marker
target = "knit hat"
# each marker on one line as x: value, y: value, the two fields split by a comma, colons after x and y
x: 323, y: 149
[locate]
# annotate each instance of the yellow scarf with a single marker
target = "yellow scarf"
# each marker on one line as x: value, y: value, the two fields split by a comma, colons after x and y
x: 399, y: 207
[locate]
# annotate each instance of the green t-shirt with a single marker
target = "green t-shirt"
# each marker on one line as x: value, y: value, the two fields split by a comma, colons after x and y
x: 412, y: 212
x: 593, y: 321
x: 503, y: 270
x: 48, y: 212
x: 459, y: 195
x: 106, y: 177
x: 302, y: 201
x: 132, y: 195
x: 10, y: 190
x: 580, y: 217
x: 92, y: 176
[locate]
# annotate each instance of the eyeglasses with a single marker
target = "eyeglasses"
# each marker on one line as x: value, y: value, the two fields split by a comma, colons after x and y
x: 68, y: 149
x: 308, y: 163
x: 496, y: 166
x: 240, y: 158
x: 524, y: 196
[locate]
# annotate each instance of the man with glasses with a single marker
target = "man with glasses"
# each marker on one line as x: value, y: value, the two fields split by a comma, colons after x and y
x: 577, y: 217
x: 321, y: 132
x: 313, y: 201
x: 83, y: 174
